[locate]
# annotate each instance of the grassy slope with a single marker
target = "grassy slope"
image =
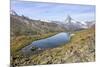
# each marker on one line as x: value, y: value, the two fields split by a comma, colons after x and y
x: 81, y: 48
x: 17, y: 43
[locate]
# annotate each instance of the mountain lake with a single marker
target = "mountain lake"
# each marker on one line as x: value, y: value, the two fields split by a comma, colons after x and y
x: 50, y: 42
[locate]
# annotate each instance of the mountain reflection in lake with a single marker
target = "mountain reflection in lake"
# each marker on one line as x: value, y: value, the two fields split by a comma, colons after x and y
x: 50, y: 42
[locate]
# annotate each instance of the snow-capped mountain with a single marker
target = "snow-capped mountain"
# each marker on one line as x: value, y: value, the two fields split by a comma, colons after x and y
x: 72, y: 24
x: 13, y: 12
x: 45, y: 20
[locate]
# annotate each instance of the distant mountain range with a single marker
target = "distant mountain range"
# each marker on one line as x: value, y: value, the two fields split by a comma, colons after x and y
x: 21, y: 25
x: 71, y: 24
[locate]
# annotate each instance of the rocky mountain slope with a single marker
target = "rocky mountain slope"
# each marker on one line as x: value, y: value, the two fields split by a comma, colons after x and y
x: 21, y: 25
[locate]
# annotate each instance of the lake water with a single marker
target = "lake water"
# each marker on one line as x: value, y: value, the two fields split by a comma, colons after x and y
x: 50, y: 42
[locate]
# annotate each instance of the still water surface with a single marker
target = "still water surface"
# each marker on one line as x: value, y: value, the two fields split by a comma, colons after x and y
x: 50, y: 42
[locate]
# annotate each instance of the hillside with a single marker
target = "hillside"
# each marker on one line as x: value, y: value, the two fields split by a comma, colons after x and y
x: 81, y: 48
x: 21, y: 25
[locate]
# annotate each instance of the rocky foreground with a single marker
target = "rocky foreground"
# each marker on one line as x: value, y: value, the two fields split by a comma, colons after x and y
x: 81, y: 48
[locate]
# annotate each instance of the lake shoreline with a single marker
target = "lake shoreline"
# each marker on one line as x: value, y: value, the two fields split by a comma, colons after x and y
x: 50, y: 42
x: 27, y: 40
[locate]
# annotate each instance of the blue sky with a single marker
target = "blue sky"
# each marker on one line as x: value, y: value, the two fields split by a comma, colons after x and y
x: 53, y: 11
